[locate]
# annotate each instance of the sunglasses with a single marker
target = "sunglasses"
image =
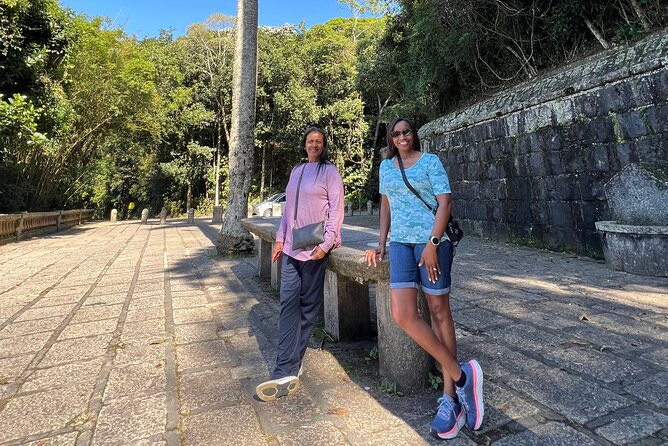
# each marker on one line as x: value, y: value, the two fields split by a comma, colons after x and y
x: 403, y: 132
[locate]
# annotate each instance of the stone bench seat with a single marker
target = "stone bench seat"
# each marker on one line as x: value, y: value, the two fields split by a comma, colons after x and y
x: 346, y: 305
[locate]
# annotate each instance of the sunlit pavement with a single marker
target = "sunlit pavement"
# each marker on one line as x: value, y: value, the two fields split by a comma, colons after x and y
x: 130, y: 334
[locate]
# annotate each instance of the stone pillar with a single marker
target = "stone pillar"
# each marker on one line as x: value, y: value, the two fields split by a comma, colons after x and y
x: 80, y: 214
x: 369, y: 207
x: 276, y: 210
x: 347, y: 314
x: 264, y: 258
x: 163, y: 217
x: 217, y: 214
x: 400, y: 359
x: 19, y: 226
x: 144, y: 216
x: 276, y: 274
x: 191, y: 215
x: 59, y: 220
x: 114, y: 216
x: 349, y: 209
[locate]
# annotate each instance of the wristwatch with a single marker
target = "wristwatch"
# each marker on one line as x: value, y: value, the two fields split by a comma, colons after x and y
x: 435, y: 240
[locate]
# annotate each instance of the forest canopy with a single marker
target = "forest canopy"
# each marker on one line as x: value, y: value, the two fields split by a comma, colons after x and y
x: 93, y: 117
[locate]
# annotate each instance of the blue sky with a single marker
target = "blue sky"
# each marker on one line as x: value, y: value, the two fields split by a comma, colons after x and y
x: 147, y: 17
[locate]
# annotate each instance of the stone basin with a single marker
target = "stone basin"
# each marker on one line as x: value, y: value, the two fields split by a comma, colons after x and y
x: 635, y: 249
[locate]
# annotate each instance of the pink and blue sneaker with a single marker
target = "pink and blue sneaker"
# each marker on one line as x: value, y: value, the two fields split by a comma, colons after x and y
x: 470, y: 395
x: 449, y: 419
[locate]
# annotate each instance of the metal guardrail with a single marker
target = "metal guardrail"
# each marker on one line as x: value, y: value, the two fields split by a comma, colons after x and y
x: 14, y: 227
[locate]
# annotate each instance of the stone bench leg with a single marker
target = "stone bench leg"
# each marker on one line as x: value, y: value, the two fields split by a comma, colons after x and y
x: 401, y: 360
x: 347, y: 314
x: 276, y: 274
x: 264, y: 258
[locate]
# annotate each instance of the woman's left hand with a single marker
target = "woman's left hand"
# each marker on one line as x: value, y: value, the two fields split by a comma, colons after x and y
x: 318, y: 253
x: 430, y: 261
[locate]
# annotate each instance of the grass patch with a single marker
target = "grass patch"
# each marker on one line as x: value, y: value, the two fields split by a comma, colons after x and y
x: 320, y: 334
x: 389, y: 387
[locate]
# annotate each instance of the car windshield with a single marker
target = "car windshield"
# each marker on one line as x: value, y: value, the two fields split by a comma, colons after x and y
x: 273, y: 197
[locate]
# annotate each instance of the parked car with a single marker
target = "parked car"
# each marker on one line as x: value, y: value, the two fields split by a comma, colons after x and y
x: 265, y: 208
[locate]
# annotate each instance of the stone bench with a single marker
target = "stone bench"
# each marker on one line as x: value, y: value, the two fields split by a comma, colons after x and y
x: 346, y: 305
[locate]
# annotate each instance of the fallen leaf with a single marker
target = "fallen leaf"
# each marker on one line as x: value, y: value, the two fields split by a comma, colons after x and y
x: 337, y: 411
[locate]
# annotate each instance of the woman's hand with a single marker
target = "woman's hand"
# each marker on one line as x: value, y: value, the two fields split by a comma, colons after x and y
x: 372, y: 256
x: 318, y: 253
x: 277, y: 252
x: 429, y: 259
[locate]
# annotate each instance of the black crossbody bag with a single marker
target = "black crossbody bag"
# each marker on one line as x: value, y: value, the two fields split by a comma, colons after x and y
x: 452, y: 229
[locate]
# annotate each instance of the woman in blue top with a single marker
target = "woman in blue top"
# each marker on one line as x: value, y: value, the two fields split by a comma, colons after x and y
x: 421, y: 255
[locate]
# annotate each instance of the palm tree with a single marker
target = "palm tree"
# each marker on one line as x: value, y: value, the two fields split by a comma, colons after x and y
x: 233, y: 238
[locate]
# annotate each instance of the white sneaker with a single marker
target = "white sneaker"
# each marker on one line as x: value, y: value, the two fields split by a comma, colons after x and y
x: 276, y: 388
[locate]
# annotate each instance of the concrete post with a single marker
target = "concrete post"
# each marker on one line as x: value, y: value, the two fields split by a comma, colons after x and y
x: 80, y: 214
x: 347, y: 314
x: 276, y: 274
x: 58, y: 220
x: 349, y: 209
x: 144, y: 216
x: 369, y: 207
x: 19, y: 226
x: 114, y: 216
x: 163, y: 217
x: 217, y: 214
x: 191, y: 215
x: 401, y: 360
x: 264, y: 258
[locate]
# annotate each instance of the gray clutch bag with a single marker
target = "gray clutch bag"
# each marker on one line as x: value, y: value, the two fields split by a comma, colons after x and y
x: 309, y: 235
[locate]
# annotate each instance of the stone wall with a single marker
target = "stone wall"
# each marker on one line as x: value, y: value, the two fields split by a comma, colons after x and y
x: 529, y: 164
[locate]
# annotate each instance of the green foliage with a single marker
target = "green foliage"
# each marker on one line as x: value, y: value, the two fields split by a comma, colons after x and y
x: 89, y: 116
x: 18, y: 123
x: 447, y: 52
x: 435, y: 381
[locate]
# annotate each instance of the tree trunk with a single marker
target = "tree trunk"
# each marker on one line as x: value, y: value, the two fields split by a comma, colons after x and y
x: 264, y: 163
x: 189, y: 196
x: 381, y: 108
x: 592, y: 28
x: 233, y: 238
x: 640, y: 14
x: 217, y: 168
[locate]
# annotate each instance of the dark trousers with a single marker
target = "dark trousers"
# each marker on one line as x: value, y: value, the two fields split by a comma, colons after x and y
x: 302, y: 294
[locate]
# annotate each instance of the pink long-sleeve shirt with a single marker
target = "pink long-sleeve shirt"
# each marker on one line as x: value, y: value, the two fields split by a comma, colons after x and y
x: 320, y: 198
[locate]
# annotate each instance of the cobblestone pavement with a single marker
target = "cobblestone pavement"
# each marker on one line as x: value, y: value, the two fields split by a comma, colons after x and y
x: 129, y: 334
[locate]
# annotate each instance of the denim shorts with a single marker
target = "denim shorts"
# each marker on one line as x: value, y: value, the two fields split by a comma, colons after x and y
x: 405, y: 273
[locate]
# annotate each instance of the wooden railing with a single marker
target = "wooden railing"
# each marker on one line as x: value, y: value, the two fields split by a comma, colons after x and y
x: 14, y: 227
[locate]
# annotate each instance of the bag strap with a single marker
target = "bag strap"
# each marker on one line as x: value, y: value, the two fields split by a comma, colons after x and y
x: 410, y: 187
x: 299, y: 183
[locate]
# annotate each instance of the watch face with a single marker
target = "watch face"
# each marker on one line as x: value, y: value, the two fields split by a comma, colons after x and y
x: 435, y: 241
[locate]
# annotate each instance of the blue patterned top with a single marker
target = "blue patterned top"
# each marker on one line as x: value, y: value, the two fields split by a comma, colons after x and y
x: 411, y: 221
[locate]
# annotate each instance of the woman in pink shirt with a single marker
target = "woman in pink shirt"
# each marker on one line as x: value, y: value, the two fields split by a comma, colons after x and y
x: 303, y: 270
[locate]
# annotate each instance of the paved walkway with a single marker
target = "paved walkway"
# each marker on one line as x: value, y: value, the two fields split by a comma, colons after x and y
x: 129, y: 334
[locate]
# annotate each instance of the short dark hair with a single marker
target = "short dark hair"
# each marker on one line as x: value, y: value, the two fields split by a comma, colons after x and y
x: 324, y: 158
x: 391, y: 148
